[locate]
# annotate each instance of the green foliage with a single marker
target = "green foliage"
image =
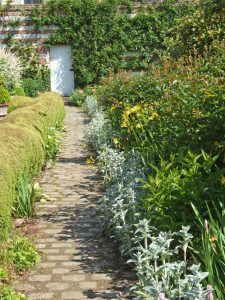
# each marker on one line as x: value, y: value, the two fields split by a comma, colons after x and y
x: 101, y: 35
x: 19, y: 91
x: 7, y: 293
x: 105, y: 39
x: 31, y: 87
x: 23, y: 135
x: 173, y: 117
x: 25, y: 198
x: 19, y: 102
x: 177, y: 104
x: 39, y: 83
x: 35, y: 75
x: 160, y: 258
x: 4, y: 95
x: 53, y: 142
x: 18, y: 254
x: 77, y: 97
x: 181, y: 179
x: 211, y: 250
x: 22, y: 253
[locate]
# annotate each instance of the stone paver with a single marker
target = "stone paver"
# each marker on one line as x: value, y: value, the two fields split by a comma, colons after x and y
x: 78, y: 262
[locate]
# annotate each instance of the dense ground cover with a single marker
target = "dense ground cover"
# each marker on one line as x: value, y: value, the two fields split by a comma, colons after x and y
x: 160, y: 143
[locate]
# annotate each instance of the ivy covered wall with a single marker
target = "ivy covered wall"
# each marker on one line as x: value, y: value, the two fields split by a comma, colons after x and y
x: 105, y: 37
x: 110, y: 35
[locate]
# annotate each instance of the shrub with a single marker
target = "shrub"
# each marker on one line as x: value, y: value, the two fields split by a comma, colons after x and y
x: 40, y: 82
x: 7, y: 293
x: 22, y: 253
x: 4, y: 95
x: 159, y: 258
x: 31, y: 87
x: 77, y: 97
x: 19, y: 102
x: 23, y: 135
x: 10, y: 69
x: 19, y: 91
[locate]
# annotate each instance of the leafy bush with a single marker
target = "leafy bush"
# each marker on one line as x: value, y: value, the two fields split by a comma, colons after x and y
x: 7, y: 293
x: 22, y: 253
x: 156, y: 255
x: 31, y: 87
x: 53, y: 142
x: 4, y: 95
x: 77, y: 97
x: 19, y: 102
x: 10, y: 69
x: 19, y: 91
x: 18, y: 254
x: 23, y: 135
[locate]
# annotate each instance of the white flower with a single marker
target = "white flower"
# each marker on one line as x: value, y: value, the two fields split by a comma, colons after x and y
x: 10, y: 68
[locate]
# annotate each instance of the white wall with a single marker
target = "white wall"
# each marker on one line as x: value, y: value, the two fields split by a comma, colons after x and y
x: 20, y: 1
x: 13, y: 1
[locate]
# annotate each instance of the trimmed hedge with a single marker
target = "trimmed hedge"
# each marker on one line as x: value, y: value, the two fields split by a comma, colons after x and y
x: 19, y: 102
x: 23, y: 134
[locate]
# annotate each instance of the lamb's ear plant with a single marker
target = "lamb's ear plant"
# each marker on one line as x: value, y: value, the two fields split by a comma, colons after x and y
x: 159, y: 257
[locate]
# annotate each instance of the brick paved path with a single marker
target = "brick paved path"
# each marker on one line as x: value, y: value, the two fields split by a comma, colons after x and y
x: 78, y: 262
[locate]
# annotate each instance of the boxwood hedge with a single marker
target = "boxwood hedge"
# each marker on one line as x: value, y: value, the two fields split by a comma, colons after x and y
x: 23, y: 134
x: 19, y: 102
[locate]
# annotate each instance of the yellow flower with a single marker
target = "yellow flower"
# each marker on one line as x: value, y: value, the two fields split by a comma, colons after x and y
x: 137, y: 109
x: 124, y: 123
x: 197, y: 113
x: 116, y: 141
x: 84, y: 146
x: 222, y: 181
x: 90, y: 161
x: 139, y: 125
x: 213, y: 239
x: 112, y: 108
x: 153, y: 116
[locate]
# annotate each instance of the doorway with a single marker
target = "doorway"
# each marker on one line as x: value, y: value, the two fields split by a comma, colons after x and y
x: 62, y: 73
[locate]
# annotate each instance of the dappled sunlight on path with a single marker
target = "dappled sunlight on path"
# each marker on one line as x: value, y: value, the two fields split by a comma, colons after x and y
x: 78, y: 261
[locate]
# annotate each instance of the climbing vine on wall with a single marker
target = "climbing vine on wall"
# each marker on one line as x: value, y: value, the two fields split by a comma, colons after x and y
x: 106, y: 38
x: 100, y: 34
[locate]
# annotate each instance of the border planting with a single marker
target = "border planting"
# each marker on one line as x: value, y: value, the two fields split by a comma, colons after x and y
x: 23, y: 136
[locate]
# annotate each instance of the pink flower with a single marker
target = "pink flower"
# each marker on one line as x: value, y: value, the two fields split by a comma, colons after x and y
x: 162, y: 296
x: 209, y: 292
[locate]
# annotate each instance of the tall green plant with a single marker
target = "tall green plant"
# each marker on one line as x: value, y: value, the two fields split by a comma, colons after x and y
x: 212, y: 248
x: 25, y: 200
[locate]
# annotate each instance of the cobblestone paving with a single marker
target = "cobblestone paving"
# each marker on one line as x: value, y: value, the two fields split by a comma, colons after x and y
x: 77, y: 262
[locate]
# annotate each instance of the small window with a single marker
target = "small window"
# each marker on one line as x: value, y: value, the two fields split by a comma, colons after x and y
x: 32, y: 1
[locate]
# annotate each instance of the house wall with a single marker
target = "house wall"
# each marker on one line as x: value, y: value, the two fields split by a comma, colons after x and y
x: 25, y: 32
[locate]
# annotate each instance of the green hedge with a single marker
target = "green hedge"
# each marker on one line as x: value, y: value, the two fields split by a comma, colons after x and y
x: 19, y: 102
x: 23, y: 134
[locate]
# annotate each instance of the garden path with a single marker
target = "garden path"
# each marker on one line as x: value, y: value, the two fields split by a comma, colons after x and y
x: 77, y: 262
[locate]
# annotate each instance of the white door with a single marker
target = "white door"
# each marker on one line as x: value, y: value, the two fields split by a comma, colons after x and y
x: 62, y: 74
